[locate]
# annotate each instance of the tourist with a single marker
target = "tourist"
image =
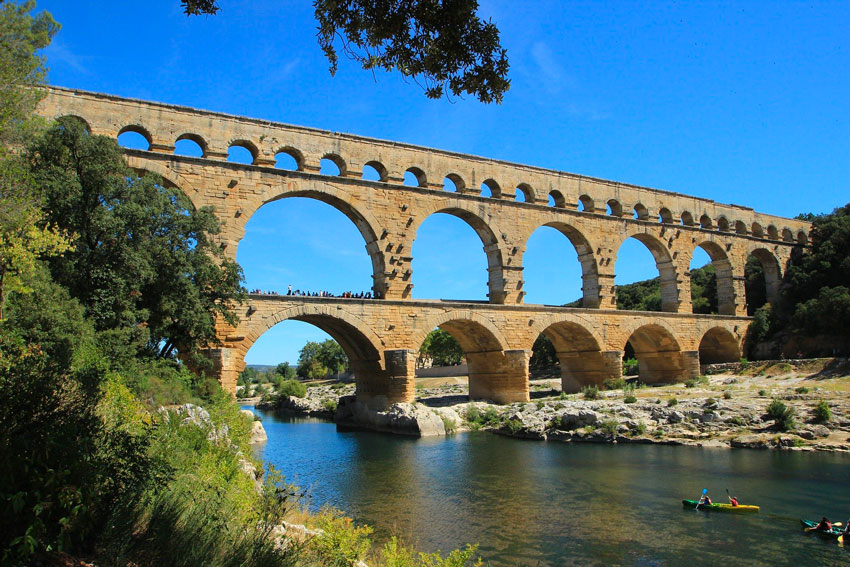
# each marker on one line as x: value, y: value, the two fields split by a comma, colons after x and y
x: 704, y: 500
x: 732, y: 500
x: 824, y: 525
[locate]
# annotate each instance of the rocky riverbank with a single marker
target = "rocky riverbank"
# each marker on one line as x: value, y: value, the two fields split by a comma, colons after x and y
x: 728, y: 409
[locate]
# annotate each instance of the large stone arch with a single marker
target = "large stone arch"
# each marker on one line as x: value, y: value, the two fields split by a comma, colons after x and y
x: 723, y: 273
x: 486, y: 233
x: 719, y: 344
x: 173, y: 179
x: 659, y: 354
x: 494, y: 373
x: 579, y: 352
x: 663, y: 262
x: 772, y: 271
x: 586, y: 257
x: 327, y: 193
x: 361, y: 344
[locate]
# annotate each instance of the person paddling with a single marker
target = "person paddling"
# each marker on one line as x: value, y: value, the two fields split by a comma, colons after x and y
x: 732, y: 500
x: 824, y: 525
x: 705, y: 500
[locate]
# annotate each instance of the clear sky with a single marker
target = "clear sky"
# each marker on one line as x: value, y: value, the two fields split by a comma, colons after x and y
x: 745, y: 103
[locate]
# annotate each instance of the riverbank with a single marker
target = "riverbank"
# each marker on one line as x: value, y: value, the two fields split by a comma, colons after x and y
x: 728, y: 407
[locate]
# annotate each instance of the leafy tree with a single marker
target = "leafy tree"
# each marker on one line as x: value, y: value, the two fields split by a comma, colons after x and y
x: 285, y: 370
x: 754, y: 285
x: 143, y: 264
x: 442, y: 347
x: 317, y: 360
x: 639, y: 296
x: 543, y: 354
x: 704, y: 289
x: 442, y: 44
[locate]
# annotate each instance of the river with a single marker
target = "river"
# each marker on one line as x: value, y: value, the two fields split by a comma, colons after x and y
x: 553, y: 504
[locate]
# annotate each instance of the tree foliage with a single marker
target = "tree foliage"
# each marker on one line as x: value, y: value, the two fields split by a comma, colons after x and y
x: 143, y: 263
x: 441, y: 44
x: 543, y: 354
x: 317, y: 360
x: 442, y: 347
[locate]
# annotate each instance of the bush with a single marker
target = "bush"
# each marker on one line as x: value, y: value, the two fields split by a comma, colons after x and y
x: 763, y: 393
x: 609, y: 426
x: 782, y: 416
x: 340, y: 543
x: 630, y: 399
x: 727, y: 395
x: 801, y: 390
x: 448, y: 423
x: 822, y: 412
x: 631, y: 367
x: 329, y: 404
x: 691, y: 383
x: 292, y: 388
x: 614, y: 383
x: 514, y: 426
x: 476, y: 419
x: 672, y: 402
x: 641, y: 428
x: 395, y: 554
x: 590, y: 392
x: 744, y: 363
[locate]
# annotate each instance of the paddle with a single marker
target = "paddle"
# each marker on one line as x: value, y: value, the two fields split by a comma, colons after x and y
x: 699, y: 500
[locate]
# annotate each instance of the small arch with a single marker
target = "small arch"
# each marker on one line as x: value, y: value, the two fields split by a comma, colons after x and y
x: 585, y: 256
x: 332, y: 164
x: 587, y: 204
x: 802, y: 237
x: 556, y: 199
x: 489, y: 188
x: 772, y: 232
x: 722, y: 296
x: 453, y: 182
x: 615, y: 209
x: 415, y: 177
x: 641, y: 213
x: 190, y: 145
x: 666, y: 269
x: 242, y: 151
x: 289, y: 158
x: 705, y: 222
x: 758, y: 231
x: 375, y: 171
x: 719, y: 345
x: 79, y: 119
x: 762, y: 273
x: 722, y: 224
x: 134, y: 137
x: 740, y: 227
x: 524, y: 193
x: 687, y: 218
x: 659, y: 356
x: 665, y: 216
x: 787, y: 235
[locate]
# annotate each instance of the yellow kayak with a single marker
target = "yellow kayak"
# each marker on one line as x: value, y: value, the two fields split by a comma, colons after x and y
x: 720, y: 507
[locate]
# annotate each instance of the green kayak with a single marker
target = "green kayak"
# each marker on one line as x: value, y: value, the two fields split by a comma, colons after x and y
x: 833, y: 533
x: 720, y: 507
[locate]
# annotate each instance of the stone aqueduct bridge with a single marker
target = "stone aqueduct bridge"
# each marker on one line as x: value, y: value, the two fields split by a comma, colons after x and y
x: 382, y: 336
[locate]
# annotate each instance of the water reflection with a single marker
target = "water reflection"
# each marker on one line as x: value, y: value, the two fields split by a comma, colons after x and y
x: 534, y: 503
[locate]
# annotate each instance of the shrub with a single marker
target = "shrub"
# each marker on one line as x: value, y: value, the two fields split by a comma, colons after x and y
x: 614, y: 383
x: 672, y: 402
x: 448, y: 423
x: 801, y: 390
x: 822, y: 412
x: 329, y: 404
x: 781, y: 415
x: 292, y: 388
x: 691, y: 383
x: 727, y: 395
x: 630, y: 399
x: 641, y: 428
x: 609, y: 426
x: 590, y: 392
x: 631, y: 367
x: 395, y: 554
x: 340, y: 543
x: 513, y: 425
x: 744, y: 363
x: 763, y: 393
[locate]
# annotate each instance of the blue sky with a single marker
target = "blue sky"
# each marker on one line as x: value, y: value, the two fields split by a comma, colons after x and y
x: 744, y: 103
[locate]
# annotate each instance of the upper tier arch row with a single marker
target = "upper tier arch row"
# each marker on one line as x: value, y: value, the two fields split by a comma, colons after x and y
x: 164, y: 125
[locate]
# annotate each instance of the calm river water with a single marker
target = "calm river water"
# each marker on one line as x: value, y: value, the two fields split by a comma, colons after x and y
x: 551, y: 504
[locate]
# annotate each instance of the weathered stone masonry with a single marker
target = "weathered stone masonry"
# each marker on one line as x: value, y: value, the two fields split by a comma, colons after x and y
x: 382, y: 336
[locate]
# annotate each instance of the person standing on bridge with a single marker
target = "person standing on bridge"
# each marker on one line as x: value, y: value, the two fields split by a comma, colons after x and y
x: 289, y: 291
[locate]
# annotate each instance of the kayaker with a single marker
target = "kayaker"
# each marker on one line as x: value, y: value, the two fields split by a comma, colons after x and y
x: 733, y: 501
x: 823, y: 525
x: 704, y: 500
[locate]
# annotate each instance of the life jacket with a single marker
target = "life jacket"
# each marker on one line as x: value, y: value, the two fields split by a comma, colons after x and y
x: 734, y: 501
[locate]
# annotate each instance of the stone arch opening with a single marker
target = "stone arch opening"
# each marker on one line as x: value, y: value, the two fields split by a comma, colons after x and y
x: 772, y: 232
x: 687, y: 218
x: 758, y: 231
x: 134, y: 137
x: 579, y: 356
x: 660, y: 359
x: 615, y: 209
x: 631, y: 268
x: 190, y: 145
x: 787, y: 235
x: 557, y: 200
x: 524, y: 193
x: 802, y: 237
x: 314, y: 233
x: 374, y: 171
x: 494, y: 374
x: 740, y: 227
x: 454, y: 183
x: 489, y: 188
x: 719, y: 345
x: 289, y: 158
x: 641, y: 212
x: 242, y: 151
x: 665, y: 216
x: 722, y: 224
x: 555, y: 282
x: 587, y: 204
x: 332, y: 164
x: 360, y: 344
x: 415, y: 177
x: 437, y: 273
x: 712, y: 290
x: 705, y: 222
x: 762, y: 273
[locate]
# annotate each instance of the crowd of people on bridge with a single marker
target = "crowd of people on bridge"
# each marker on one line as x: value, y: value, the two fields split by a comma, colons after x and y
x: 320, y: 293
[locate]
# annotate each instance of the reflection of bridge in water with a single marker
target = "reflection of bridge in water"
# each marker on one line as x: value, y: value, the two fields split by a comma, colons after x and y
x: 381, y: 336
